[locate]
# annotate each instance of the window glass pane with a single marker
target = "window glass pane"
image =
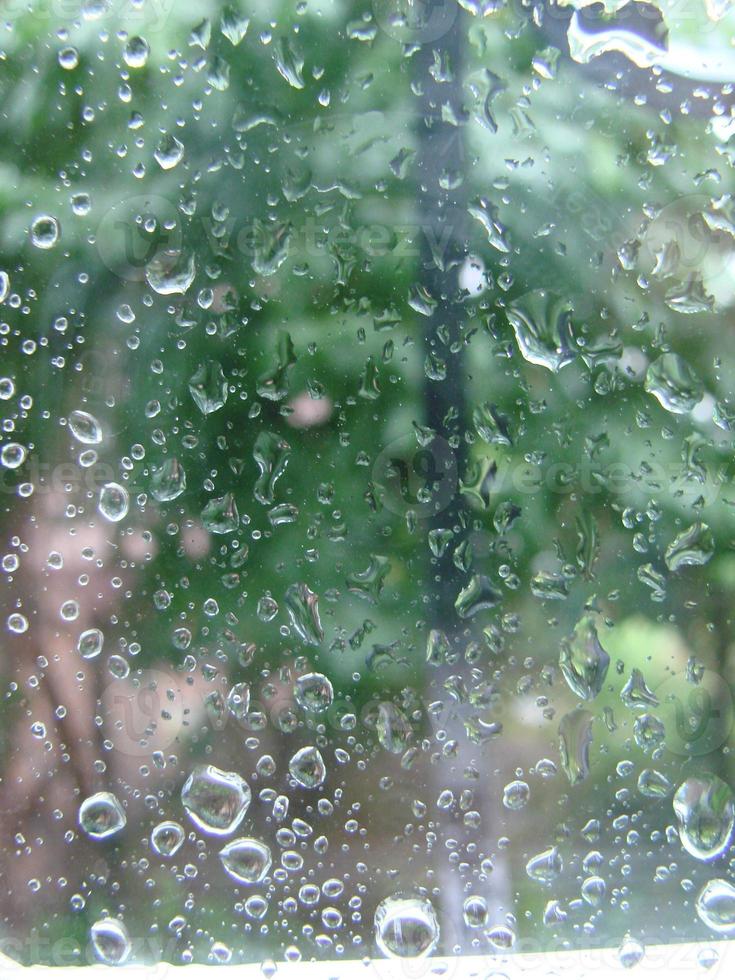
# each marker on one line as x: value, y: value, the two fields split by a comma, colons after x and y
x: 366, y: 380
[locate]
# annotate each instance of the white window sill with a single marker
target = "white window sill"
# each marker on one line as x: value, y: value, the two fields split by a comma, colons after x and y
x: 680, y: 960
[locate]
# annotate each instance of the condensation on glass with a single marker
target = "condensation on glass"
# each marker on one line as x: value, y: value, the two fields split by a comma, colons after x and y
x: 366, y: 385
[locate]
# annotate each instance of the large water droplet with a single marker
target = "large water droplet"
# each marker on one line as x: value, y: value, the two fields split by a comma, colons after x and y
x: 575, y: 736
x: 169, y: 273
x: 13, y: 455
x: 716, y: 906
x: 516, y: 795
x: 271, y: 454
x: 674, y: 384
x: 169, y: 152
x: 653, y: 783
x: 694, y: 546
x: 208, y: 387
x: 113, y: 503
x: 135, y: 52
x: 90, y: 643
x: 406, y: 926
x: 630, y: 953
x: 303, y: 611
x: 307, y: 767
x: 313, y: 692
x: 85, y: 428
x: 45, y: 231
x: 110, y: 941
x: 216, y: 801
x: 475, y: 912
x: 169, y: 481
x: 220, y: 516
x: 101, y: 816
x: 289, y: 62
x: 705, y: 809
x: 583, y: 660
x: 545, y: 867
x: 393, y: 728
x: 246, y: 860
x: 542, y: 325
x: 478, y: 595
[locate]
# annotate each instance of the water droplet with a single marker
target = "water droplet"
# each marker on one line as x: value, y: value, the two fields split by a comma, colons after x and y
x: 216, y: 801
x: 303, y: 610
x: 167, y: 837
x: 271, y: 454
x: 516, y: 795
x: 169, y: 273
x: 636, y: 693
x: 583, y: 661
x: 475, y: 912
x: 649, y: 732
x: 135, y: 53
x: 110, y: 941
x: 169, y: 481
x: 13, y: 455
x: 594, y: 890
x: 289, y: 62
x: 575, y: 736
x: 114, y: 502
x: 169, y: 152
x: 694, y: 546
x: 653, y: 783
x: 478, y: 595
x: 716, y: 906
x: 208, y: 387
x: 705, y: 809
x: 307, y: 767
x: 542, y: 325
x: 68, y: 58
x: 81, y: 204
x: 393, y: 728
x: 674, y: 384
x: 220, y: 516
x: 101, y: 816
x: 545, y: 867
x: 630, y: 953
x: 90, y: 643
x: 313, y: 692
x: 406, y: 926
x: 585, y: 45
x: 234, y: 26
x: 45, y: 231
x: 273, y: 384
x: 246, y: 860
x: 85, y: 428
x: 238, y: 701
